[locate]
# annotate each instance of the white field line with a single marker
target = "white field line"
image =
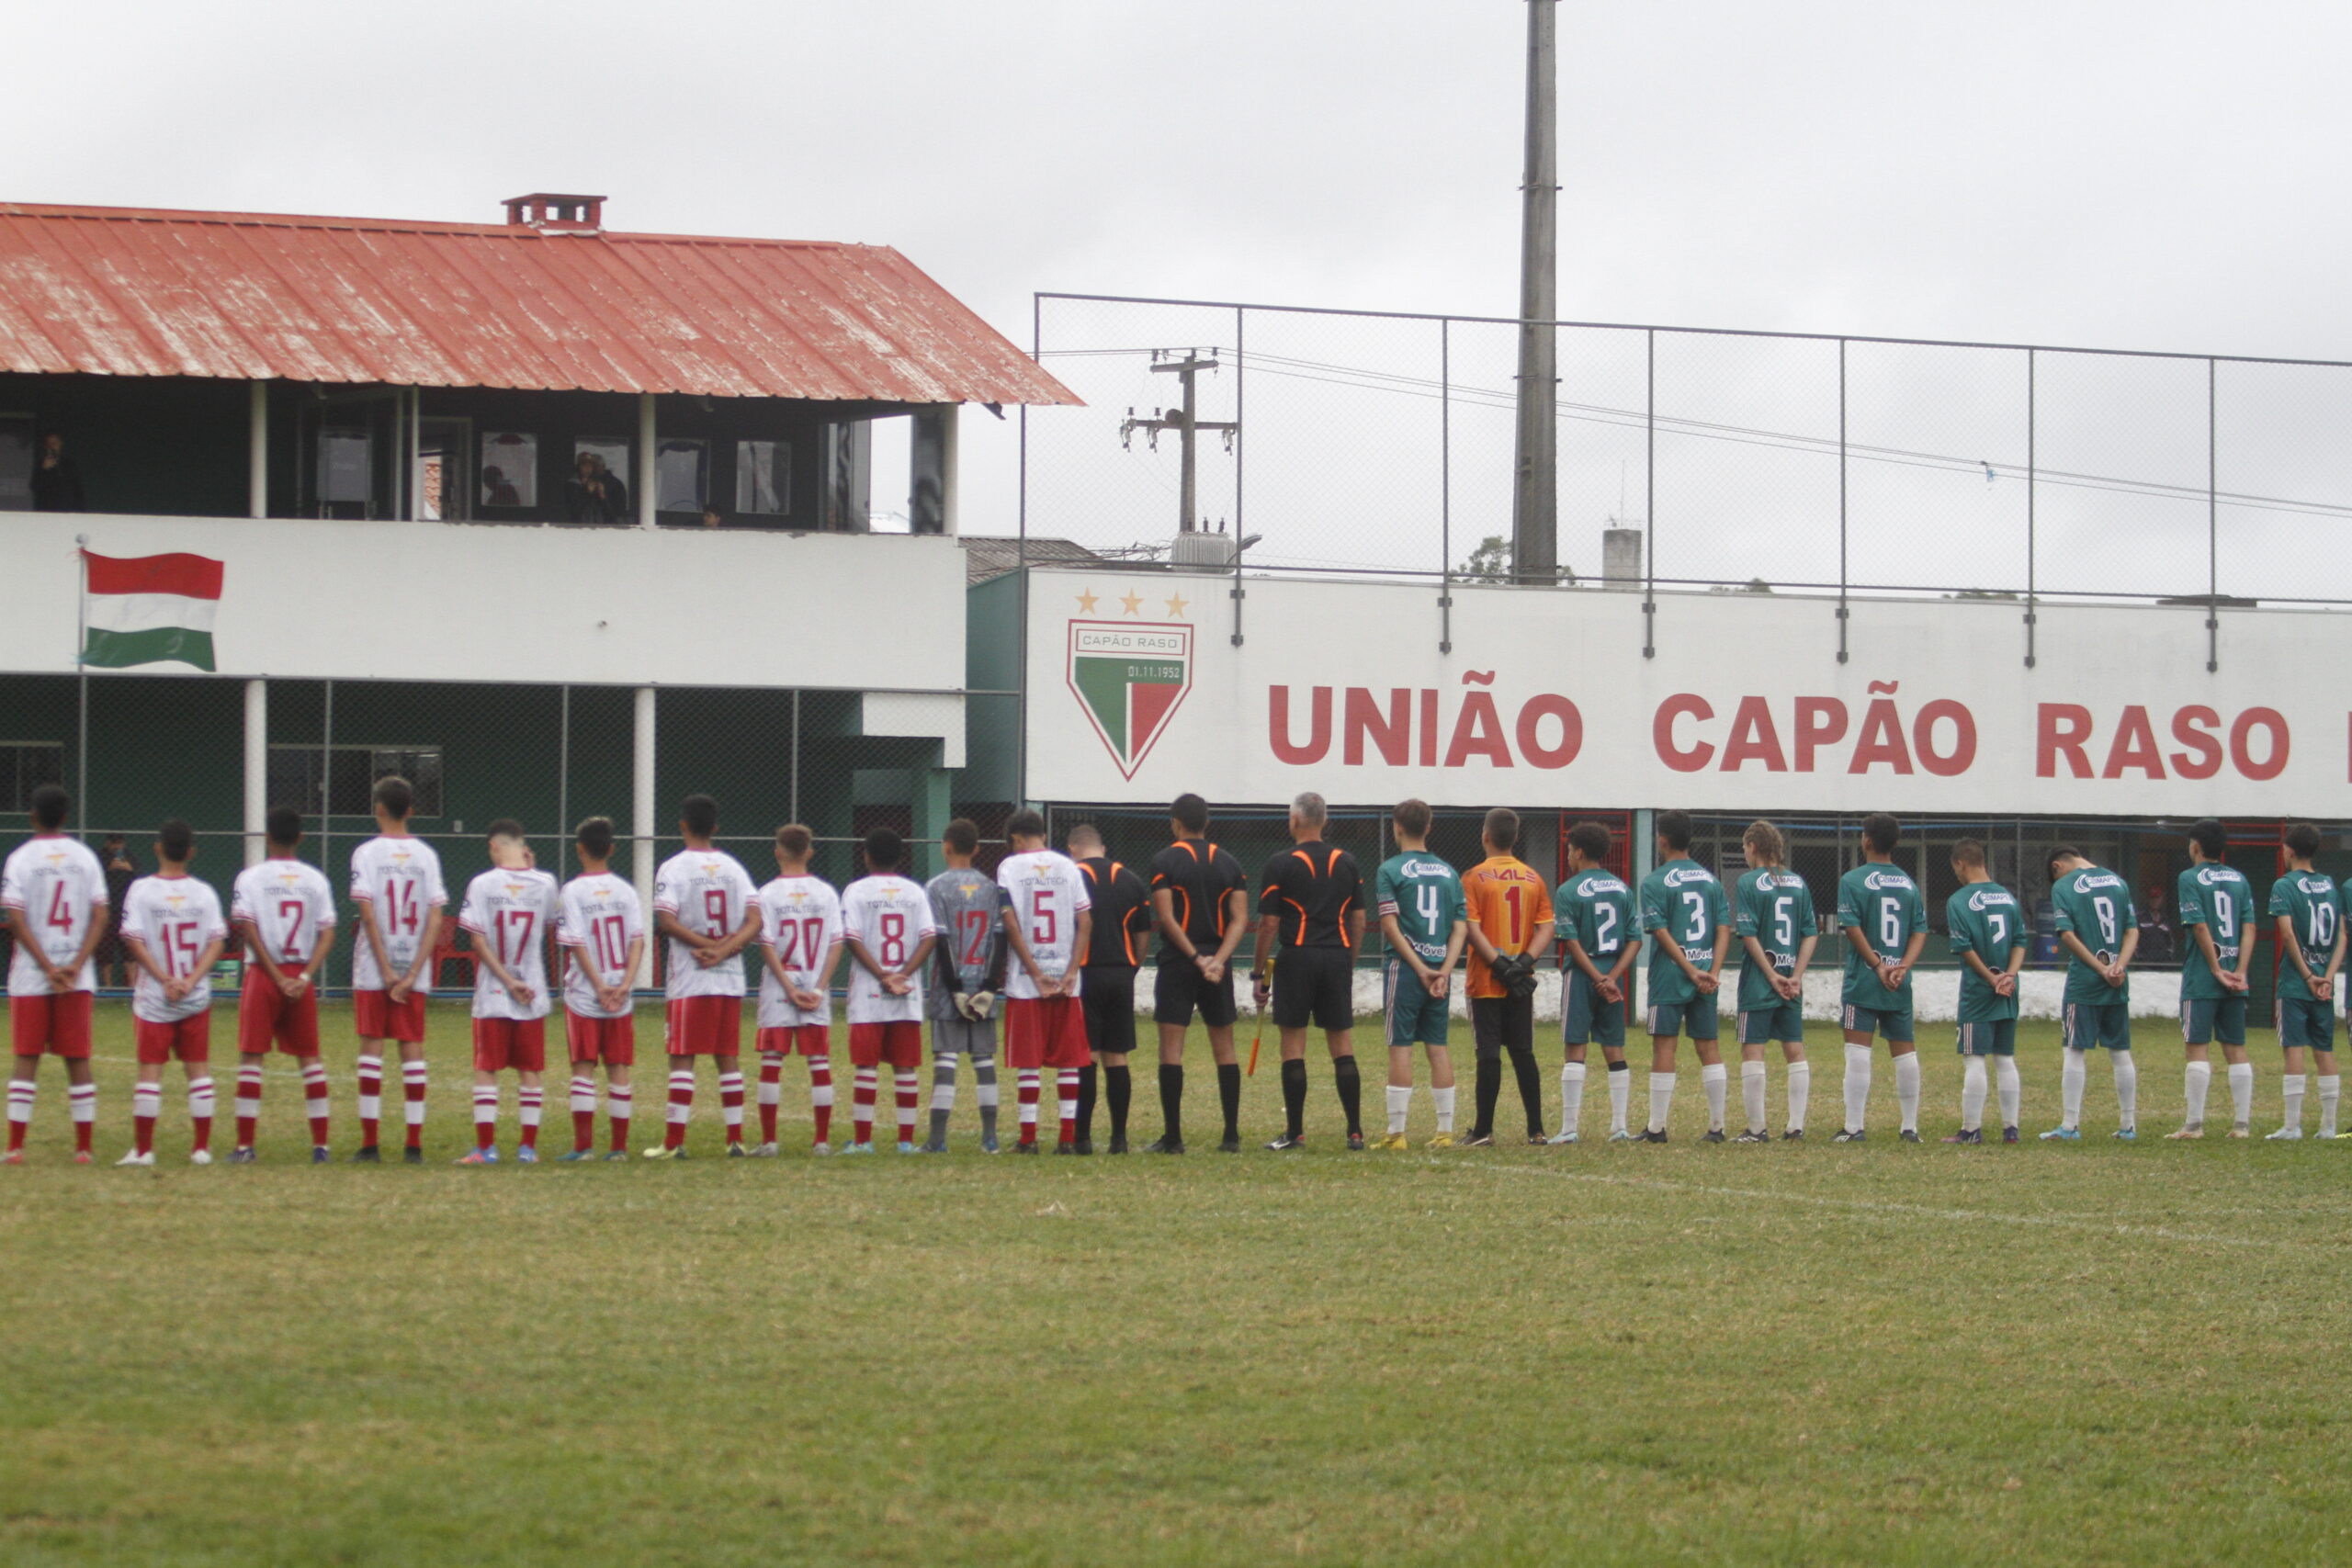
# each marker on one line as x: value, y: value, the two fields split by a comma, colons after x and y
x: 1881, y: 1206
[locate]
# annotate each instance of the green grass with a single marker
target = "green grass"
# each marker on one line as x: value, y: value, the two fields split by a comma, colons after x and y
x: 1607, y: 1354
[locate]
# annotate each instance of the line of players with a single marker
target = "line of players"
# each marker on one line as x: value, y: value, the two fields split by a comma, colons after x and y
x: 1055, y: 942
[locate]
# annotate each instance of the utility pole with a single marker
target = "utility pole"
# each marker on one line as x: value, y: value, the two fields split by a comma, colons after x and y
x: 1534, y: 512
x: 1187, y: 425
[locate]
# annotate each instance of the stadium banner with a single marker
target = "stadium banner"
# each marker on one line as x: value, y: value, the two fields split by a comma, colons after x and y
x: 301, y: 598
x: 1137, y: 694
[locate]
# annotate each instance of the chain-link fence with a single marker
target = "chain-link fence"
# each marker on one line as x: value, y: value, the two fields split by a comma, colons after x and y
x: 1382, y: 444
x: 134, y: 750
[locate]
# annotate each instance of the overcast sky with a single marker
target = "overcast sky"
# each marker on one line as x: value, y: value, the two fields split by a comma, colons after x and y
x: 2142, y: 173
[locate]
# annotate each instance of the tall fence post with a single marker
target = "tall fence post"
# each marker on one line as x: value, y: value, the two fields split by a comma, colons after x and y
x: 1649, y: 498
x: 2212, y: 522
x: 563, y: 780
x: 2031, y: 472
x: 1445, y: 485
x: 1241, y: 444
x: 1843, y: 614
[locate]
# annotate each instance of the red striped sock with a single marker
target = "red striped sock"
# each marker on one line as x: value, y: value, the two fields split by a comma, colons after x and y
x: 317, y: 1102
x: 1026, y: 1088
x: 820, y: 1095
x: 1066, y: 1090
x: 908, y: 1090
x: 771, y: 1095
x: 681, y: 1106
x: 528, y: 1103
x: 249, y: 1082
x: 863, y: 1085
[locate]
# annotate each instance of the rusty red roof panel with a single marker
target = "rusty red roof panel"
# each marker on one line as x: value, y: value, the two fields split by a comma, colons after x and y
x: 117, y: 291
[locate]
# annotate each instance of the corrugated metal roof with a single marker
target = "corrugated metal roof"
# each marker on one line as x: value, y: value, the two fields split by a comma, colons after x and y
x: 116, y: 292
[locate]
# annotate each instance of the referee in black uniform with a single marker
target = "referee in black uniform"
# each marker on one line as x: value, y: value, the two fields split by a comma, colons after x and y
x: 1122, y: 932
x: 1311, y: 923
x: 1199, y: 894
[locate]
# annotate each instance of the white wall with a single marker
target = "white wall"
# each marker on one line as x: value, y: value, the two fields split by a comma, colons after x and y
x: 476, y: 602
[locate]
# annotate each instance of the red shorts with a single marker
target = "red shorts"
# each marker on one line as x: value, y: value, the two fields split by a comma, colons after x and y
x: 377, y: 1017
x: 186, y: 1040
x: 704, y: 1026
x: 57, y: 1024
x: 900, y: 1043
x: 1044, y: 1032
x: 519, y: 1044
x: 265, y: 1017
x: 612, y: 1041
x: 800, y: 1040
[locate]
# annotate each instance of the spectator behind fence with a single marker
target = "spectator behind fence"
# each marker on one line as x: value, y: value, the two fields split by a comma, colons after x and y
x: 113, y: 958
x: 57, y: 478
x: 594, y: 493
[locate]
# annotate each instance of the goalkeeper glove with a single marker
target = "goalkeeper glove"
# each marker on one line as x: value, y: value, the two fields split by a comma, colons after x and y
x: 983, y: 1004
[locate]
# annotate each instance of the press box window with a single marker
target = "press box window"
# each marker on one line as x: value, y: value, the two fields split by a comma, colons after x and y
x: 25, y: 766
x: 341, y: 781
x: 762, y: 479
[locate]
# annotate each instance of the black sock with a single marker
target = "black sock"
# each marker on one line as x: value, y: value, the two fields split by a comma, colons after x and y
x: 1531, y: 1087
x: 1351, y: 1087
x: 1295, y: 1097
x: 1086, y: 1103
x: 1171, y: 1101
x: 1489, y: 1090
x: 1118, y: 1092
x: 1229, y: 1094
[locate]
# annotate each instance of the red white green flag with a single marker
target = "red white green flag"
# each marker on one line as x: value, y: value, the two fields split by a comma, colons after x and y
x: 148, y: 609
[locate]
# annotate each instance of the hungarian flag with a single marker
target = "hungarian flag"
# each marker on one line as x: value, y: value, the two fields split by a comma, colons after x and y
x: 148, y: 609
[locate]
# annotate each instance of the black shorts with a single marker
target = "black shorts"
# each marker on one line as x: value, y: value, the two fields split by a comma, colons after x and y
x: 1499, y: 1023
x: 1108, y: 995
x: 1179, y: 989
x: 1315, y: 987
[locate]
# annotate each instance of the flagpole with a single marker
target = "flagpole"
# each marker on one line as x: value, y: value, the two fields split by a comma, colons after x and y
x: 82, y: 682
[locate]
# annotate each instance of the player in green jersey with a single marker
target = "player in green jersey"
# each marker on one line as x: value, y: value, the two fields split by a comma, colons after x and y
x: 1772, y: 915
x: 2098, y: 927
x: 1886, y: 923
x: 1417, y: 898
x: 1986, y: 930
x: 2215, y: 901
x: 1595, y: 913
x: 2310, y: 911
x: 1688, y: 919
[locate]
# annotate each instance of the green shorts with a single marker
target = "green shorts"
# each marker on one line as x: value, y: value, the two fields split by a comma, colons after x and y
x: 1585, y: 1019
x: 2205, y: 1021
x: 2092, y: 1026
x: 1995, y: 1037
x: 2302, y: 1021
x: 1698, y: 1017
x: 1781, y: 1021
x: 1414, y: 1017
x: 1892, y: 1023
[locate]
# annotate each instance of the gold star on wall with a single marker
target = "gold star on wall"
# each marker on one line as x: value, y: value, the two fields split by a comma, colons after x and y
x: 1132, y: 604
x: 1086, y: 603
x: 1175, y: 604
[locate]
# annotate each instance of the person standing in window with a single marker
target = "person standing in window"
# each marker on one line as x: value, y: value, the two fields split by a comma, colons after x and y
x: 594, y: 493
x: 57, y: 478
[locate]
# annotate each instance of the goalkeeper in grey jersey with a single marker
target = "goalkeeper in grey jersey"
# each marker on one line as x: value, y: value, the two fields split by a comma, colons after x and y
x: 968, y: 974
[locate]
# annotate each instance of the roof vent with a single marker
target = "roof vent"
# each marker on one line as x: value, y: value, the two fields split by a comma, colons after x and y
x: 552, y: 211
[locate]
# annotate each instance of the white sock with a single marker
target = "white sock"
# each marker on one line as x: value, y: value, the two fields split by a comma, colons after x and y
x: 620, y: 1103
x: 1571, y: 1095
x: 1401, y: 1105
x: 583, y: 1097
x: 1443, y: 1099
x: 2291, y: 1094
x: 20, y: 1100
x: 730, y: 1088
x: 1858, y: 1087
x: 1031, y: 1083
x: 485, y: 1105
x: 1906, y: 1088
x: 909, y: 1098
x: 943, y: 1083
x: 371, y: 1106
x: 681, y: 1084
x: 2005, y: 1079
x: 200, y: 1103
x: 249, y: 1086
x: 1972, y: 1093
x: 1800, y: 1094
x: 1620, y: 1089
x: 2197, y: 1083
x: 83, y: 1099
x: 418, y: 1075
x: 314, y: 1089
x: 147, y: 1101
x: 1715, y: 1078
x: 2242, y: 1093
x: 1065, y: 1094
x: 2330, y: 1086
x: 2127, y: 1087
x: 1661, y: 1100
x: 528, y: 1103
x: 2070, y: 1087
x: 1751, y: 1094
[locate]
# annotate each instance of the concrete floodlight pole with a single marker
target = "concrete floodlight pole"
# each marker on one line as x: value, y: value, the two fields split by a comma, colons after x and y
x: 1534, y: 523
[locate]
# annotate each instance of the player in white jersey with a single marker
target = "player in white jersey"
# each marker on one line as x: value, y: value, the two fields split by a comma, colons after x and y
x: 283, y: 909
x: 396, y: 883
x: 510, y: 912
x: 602, y: 930
x: 887, y: 925
x: 1048, y: 919
x: 800, y: 942
x: 705, y: 904
x: 54, y: 893
x: 172, y: 928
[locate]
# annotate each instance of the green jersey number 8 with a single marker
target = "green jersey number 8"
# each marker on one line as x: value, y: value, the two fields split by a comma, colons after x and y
x: 2105, y: 910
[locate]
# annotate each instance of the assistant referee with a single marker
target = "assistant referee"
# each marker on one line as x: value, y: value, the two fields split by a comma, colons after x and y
x: 1311, y: 923
x: 1122, y: 933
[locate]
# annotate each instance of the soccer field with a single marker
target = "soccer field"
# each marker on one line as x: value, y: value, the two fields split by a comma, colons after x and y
x: 2095, y: 1353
